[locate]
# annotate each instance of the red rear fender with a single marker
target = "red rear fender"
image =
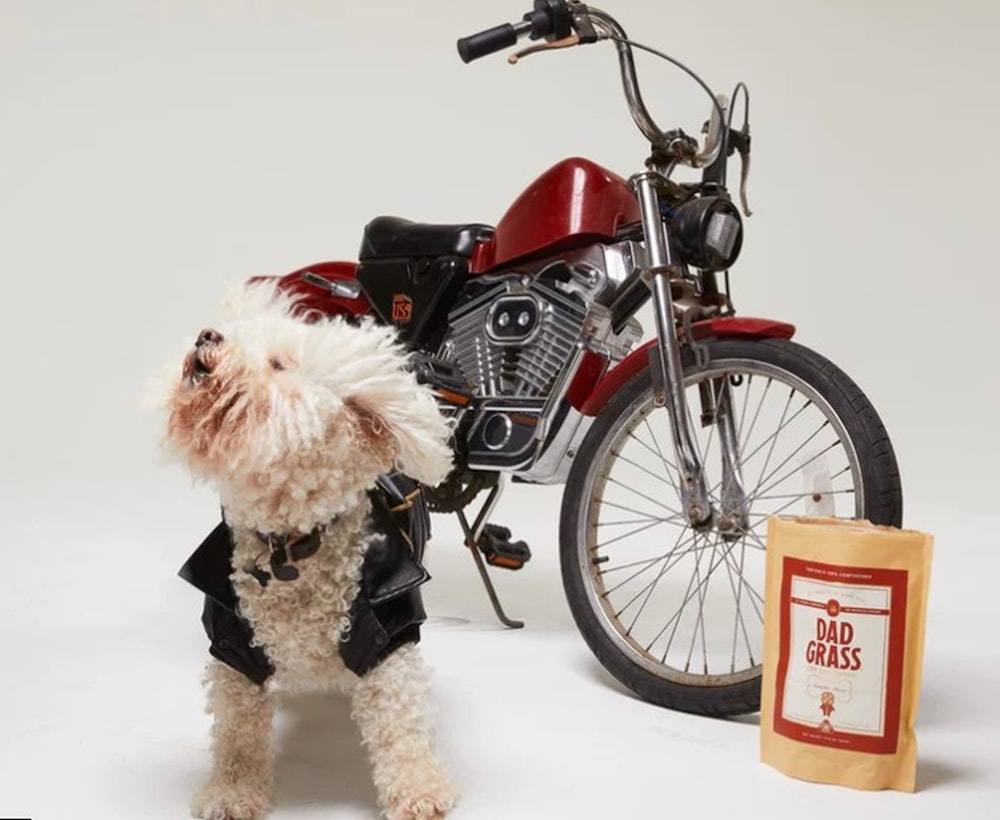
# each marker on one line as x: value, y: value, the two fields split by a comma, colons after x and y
x: 316, y: 302
x: 729, y: 326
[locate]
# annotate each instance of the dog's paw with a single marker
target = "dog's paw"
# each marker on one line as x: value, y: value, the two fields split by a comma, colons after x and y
x: 228, y: 801
x: 426, y: 804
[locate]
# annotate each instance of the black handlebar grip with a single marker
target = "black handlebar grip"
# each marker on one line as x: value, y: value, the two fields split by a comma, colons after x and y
x: 486, y: 42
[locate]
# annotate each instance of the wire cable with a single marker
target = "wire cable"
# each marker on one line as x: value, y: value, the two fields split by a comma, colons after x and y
x: 674, y: 61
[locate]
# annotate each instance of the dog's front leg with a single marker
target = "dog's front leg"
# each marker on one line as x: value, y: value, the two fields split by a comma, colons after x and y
x: 390, y: 707
x: 240, y: 785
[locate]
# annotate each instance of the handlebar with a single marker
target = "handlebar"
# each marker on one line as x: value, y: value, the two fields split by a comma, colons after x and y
x: 630, y: 81
x: 565, y: 23
x: 487, y: 42
x: 551, y: 19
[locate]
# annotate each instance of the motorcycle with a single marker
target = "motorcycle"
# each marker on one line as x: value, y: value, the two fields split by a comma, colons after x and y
x: 674, y: 452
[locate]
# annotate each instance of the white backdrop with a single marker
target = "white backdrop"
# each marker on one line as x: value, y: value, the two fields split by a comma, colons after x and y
x: 151, y: 153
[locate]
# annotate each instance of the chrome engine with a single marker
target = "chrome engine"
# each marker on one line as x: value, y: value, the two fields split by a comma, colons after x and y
x: 516, y: 340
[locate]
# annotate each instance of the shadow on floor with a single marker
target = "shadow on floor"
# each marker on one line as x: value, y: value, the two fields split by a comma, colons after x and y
x: 592, y: 669
x: 320, y: 759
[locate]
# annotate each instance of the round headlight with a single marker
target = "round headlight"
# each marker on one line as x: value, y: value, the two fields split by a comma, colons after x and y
x: 709, y: 231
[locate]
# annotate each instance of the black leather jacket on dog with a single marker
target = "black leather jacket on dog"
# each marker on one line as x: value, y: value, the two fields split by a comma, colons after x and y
x: 386, y: 614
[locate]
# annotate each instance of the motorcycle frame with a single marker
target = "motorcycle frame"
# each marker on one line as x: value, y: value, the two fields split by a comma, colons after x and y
x: 573, y: 402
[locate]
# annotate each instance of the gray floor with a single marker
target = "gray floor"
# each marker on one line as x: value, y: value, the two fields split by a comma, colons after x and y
x: 103, y: 710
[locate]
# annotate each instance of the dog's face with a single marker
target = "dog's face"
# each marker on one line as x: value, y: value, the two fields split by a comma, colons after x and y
x: 265, y: 403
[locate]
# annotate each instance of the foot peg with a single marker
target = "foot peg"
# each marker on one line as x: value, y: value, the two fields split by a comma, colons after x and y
x: 500, y: 551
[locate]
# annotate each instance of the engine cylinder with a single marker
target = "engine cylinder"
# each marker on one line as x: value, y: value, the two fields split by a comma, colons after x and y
x: 514, y: 339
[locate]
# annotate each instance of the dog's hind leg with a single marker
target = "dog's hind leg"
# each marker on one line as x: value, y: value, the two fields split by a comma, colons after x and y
x: 390, y: 707
x: 240, y: 785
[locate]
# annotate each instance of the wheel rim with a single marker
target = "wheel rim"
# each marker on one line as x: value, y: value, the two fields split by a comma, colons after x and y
x: 688, y: 607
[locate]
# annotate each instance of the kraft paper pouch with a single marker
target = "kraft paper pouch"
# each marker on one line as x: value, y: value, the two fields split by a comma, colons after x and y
x: 844, y: 614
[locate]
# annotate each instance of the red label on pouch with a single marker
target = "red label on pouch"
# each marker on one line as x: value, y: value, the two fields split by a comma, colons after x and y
x: 840, y: 667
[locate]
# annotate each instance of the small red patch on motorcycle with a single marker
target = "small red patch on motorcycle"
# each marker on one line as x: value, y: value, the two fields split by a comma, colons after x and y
x: 402, y: 308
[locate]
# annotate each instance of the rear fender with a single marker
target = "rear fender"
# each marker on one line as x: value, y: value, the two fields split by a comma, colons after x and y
x: 721, y: 328
x: 314, y: 302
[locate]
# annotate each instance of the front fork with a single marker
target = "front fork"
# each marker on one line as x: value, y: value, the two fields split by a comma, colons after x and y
x: 734, y: 507
x: 664, y: 265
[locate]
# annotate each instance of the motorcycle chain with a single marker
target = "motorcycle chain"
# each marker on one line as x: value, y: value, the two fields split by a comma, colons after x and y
x: 456, y: 492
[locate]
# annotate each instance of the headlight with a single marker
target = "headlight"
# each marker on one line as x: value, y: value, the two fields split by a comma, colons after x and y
x: 709, y: 231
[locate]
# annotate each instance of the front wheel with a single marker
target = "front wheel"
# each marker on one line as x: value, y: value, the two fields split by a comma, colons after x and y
x: 676, y: 614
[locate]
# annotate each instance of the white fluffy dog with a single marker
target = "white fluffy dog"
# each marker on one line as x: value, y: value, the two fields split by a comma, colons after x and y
x: 293, y: 423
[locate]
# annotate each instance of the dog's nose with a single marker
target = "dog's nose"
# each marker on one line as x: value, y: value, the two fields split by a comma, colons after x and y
x: 208, y: 337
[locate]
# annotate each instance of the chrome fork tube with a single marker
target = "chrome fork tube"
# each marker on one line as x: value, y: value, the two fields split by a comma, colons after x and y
x: 662, y: 266
x: 734, y: 512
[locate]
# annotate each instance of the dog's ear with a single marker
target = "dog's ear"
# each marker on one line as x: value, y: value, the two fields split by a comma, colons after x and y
x: 367, y: 370
x: 410, y: 428
x: 369, y: 430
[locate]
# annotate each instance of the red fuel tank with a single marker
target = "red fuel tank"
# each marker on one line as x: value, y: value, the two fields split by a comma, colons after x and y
x: 576, y: 200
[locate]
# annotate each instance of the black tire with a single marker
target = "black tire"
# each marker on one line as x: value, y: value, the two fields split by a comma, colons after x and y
x: 880, y: 501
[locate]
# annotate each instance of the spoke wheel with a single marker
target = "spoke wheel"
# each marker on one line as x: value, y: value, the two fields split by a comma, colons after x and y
x: 677, y: 614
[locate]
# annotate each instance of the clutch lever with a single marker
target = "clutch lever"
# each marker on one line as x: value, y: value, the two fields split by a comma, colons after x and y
x: 565, y: 42
x: 583, y: 32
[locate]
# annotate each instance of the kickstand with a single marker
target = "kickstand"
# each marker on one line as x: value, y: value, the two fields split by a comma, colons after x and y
x: 472, y: 536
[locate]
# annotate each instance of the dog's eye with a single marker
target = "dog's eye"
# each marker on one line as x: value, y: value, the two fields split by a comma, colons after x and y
x: 276, y: 364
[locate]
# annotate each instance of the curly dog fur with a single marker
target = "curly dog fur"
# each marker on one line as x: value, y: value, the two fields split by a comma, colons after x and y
x: 292, y: 422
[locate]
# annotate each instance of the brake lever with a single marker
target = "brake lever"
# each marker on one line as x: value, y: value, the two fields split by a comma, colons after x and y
x: 742, y: 144
x: 744, y: 173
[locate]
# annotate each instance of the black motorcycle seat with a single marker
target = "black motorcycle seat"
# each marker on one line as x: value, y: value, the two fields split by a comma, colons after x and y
x: 395, y: 237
